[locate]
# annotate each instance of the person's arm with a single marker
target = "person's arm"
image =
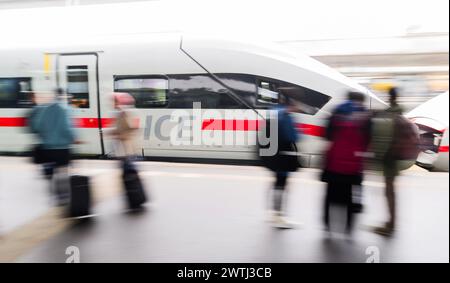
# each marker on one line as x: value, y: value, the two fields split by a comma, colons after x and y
x: 369, y: 128
x: 31, y: 121
x: 69, y: 127
x: 329, y: 130
x: 291, y: 129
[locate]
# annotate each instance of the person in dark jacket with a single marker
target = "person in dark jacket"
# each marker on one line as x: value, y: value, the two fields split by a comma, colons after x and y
x: 284, y: 161
x: 349, y: 134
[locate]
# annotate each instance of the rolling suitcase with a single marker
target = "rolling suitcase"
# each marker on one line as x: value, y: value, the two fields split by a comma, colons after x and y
x: 134, y: 189
x: 80, y: 196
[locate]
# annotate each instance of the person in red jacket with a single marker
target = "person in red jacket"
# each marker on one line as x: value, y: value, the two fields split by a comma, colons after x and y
x: 349, y: 134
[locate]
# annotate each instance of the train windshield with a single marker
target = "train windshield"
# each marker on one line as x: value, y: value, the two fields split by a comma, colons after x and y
x: 263, y: 92
x: 308, y: 101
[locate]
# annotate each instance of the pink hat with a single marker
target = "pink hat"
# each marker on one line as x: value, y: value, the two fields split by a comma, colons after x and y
x: 123, y: 98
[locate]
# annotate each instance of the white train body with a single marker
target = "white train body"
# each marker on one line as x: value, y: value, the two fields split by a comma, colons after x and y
x: 432, y: 119
x: 166, y: 73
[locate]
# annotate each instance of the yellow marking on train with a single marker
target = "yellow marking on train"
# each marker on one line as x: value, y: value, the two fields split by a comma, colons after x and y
x: 47, y: 66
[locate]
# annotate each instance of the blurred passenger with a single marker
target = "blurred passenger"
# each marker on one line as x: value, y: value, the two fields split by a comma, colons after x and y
x: 38, y: 154
x: 349, y: 133
x: 51, y: 123
x: 124, y: 142
x: 124, y: 130
x: 37, y: 151
x: 284, y: 161
x: 385, y: 152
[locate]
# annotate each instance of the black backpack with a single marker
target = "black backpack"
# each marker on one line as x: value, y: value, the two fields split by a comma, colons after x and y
x: 406, y: 140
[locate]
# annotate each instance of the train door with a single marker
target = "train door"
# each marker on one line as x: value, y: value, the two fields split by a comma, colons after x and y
x: 77, y: 74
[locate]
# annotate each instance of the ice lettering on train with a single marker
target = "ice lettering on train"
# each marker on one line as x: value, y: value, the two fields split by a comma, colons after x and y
x: 212, y: 127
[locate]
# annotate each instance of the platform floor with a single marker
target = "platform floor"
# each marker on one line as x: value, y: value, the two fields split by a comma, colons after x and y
x: 214, y: 213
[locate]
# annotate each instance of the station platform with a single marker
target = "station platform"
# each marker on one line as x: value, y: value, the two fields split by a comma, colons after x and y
x: 214, y: 213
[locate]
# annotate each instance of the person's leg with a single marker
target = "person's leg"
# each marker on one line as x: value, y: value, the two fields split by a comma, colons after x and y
x: 390, y: 196
x: 326, y: 206
x: 56, y: 186
x: 47, y: 170
x: 278, y: 192
x: 348, y: 195
x: 61, y: 176
x: 279, y: 199
x: 389, y: 226
x: 62, y: 181
x: 357, y: 196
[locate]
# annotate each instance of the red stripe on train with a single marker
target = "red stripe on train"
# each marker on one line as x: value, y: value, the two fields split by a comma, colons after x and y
x: 89, y: 123
x: 254, y: 125
x: 231, y: 125
x: 443, y: 148
x: 13, y: 121
x: 311, y: 130
x: 207, y: 125
x: 79, y: 122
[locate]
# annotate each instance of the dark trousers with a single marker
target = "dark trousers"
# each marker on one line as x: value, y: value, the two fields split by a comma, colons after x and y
x: 54, y: 158
x: 340, y: 194
x: 279, y: 190
x: 280, y: 181
x: 55, y: 169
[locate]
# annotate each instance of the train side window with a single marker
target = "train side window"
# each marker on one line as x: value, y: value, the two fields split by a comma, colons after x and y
x: 189, y: 88
x: 16, y: 93
x: 78, y: 85
x: 244, y: 85
x: 267, y: 93
x: 148, y: 92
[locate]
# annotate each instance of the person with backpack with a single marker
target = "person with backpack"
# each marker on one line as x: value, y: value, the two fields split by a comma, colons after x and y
x: 394, y: 139
x: 348, y: 131
x: 284, y: 160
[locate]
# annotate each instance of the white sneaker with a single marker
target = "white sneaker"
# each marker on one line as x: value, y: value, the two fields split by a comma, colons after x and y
x: 272, y: 216
x: 282, y: 222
